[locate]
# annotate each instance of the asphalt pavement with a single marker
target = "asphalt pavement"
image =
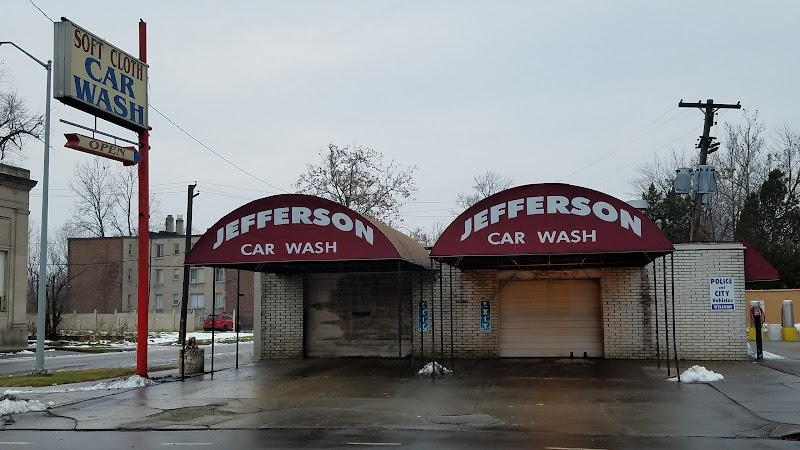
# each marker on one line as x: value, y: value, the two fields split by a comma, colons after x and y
x: 757, y: 399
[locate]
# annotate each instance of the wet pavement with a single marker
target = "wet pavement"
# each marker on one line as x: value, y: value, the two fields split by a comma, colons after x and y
x: 608, y: 397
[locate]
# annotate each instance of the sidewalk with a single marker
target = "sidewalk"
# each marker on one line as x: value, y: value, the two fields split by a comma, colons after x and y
x: 561, y: 396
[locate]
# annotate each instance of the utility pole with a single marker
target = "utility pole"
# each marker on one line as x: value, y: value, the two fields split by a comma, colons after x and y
x: 709, y: 108
x: 184, y: 302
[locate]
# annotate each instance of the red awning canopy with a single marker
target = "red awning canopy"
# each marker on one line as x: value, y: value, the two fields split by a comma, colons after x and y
x: 550, y: 225
x: 302, y: 233
x: 756, y: 268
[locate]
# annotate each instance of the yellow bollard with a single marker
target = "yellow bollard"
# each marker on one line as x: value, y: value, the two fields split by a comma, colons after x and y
x: 789, y: 334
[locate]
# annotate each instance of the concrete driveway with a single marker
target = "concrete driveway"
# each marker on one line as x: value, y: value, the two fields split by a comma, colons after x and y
x: 578, y: 396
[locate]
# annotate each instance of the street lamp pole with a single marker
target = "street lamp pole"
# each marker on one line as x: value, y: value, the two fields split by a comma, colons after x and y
x: 43, y: 234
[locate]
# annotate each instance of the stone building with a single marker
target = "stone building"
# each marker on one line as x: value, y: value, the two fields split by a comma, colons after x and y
x: 15, y: 187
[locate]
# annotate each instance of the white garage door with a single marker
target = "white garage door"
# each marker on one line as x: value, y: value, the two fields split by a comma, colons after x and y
x: 551, y: 318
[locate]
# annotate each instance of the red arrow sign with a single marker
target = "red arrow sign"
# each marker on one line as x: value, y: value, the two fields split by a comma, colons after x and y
x: 127, y: 155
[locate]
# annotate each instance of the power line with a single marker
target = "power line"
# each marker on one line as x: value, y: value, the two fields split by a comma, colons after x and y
x: 212, y: 151
x: 648, y: 155
x: 209, y: 190
x: 635, y: 137
x: 719, y: 114
x: 429, y: 210
x: 40, y: 10
x: 231, y: 187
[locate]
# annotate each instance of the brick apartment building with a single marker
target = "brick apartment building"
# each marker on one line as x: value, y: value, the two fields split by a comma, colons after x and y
x: 103, y: 276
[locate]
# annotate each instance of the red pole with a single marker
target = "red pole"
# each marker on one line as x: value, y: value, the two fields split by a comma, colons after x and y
x: 143, y: 270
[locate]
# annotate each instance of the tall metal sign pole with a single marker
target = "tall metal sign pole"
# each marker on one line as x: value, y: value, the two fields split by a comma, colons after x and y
x: 40, y: 325
x: 709, y: 108
x: 143, y: 270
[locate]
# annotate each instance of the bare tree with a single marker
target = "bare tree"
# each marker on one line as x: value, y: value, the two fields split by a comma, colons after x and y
x: 485, y: 184
x: 57, y: 284
x: 660, y: 172
x: 93, y: 183
x: 742, y: 167
x: 428, y: 236
x: 107, y: 202
x: 33, y: 267
x: 17, y: 124
x: 125, y: 202
x: 357, y: 177
x: 785, y: 155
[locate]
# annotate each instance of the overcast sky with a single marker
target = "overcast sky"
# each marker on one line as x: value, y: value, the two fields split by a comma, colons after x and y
x: 580, y: 92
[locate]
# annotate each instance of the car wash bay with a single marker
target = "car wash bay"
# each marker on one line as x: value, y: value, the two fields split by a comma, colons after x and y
x: 550, y: 318
x: 548, y: 270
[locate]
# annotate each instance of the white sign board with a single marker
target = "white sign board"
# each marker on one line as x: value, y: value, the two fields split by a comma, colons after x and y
x: 98, y: 78
x: 722, y: 297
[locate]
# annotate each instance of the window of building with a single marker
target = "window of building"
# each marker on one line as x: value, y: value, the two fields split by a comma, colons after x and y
x: 130, y: 249
x: 219, y: 274
x: 219, y: 300
x: 129, y: 301
x: 196, y: 275
x: 130, y: 274
x: 176, y: 249
x: 159, y: 276
x: 176, y: 274
x: 197, y: 301
x: 159, y: 250
x: 159, y: 301
x: 176, y: 299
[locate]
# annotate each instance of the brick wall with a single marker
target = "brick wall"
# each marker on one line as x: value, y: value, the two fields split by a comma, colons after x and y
x: 281, y: 316
x: 244, y: 285
x: 469, y: 288
x: 634, y: 307
x: 702, y: 333
x: 633, y: 302
x: 95, y: 272
x: 627, y: 313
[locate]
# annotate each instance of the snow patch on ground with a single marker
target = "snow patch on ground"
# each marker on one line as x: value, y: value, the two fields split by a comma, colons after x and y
x: 154, y: 339
x: 163, y: 338
x: 766, y: 355
x: 171, y: 338
x: 133, y: 381
x: 698, y: 374
x: 12, y: 405
x: 429, y: 368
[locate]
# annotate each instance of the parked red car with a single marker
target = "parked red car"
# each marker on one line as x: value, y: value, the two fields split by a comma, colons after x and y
x: 221, y: 321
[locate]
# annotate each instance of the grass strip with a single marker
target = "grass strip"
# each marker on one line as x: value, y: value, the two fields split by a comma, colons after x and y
x: 71, y: 376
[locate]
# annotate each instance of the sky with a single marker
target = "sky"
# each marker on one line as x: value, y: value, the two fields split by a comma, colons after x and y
x: 244, y: 95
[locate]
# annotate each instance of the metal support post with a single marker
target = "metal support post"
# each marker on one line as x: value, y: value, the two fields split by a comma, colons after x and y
x: 41, y: 296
